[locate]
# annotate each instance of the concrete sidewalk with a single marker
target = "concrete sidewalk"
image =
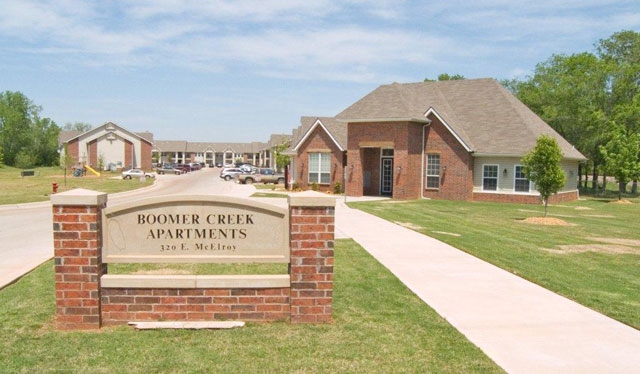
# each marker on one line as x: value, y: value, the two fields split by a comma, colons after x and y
x: 524, y: 328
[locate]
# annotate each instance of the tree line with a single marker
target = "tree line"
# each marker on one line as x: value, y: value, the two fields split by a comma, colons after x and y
x: 27, y: 139
x: 593, y: 101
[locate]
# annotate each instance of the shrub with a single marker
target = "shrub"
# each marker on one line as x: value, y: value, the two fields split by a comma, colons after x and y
x: 314, y: 186
x: 25, y: 160
x: 337, y: 188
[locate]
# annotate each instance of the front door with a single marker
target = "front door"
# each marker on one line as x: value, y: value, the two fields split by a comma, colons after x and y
x: 386, y: 176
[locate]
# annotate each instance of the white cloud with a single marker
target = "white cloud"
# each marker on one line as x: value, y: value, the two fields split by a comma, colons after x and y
x: 356, y: 40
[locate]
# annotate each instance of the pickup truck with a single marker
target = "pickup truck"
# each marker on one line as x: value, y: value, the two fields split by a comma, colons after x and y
x: 260, y: 175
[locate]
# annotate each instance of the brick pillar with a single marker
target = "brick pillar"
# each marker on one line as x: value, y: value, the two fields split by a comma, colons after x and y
x: 77, y: 244
x: 312, y: 233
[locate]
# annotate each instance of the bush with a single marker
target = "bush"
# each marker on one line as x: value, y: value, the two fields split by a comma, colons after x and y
x: 337, y: 188
x: 25, y: 160
x: 314, y: 186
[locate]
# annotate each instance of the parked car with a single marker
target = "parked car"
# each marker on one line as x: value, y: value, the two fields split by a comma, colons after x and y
x: 184, y: 167
x: 168, y: 169
x: 136, y: 173
x: 195, y: 166
x: 248, y: 168
x: 229, y: 173
x: 261, y: 175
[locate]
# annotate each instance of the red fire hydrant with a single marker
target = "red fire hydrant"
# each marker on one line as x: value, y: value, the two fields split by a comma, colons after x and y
x: 54, y: 187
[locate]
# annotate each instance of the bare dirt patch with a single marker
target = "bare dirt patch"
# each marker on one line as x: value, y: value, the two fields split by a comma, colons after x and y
x: 612, y: 246
x: 547, y: 221
x: 408, y: 225
x: 600, y: 248
x: 583, y: 208
x: 623, y: 201
x: 629, y: 242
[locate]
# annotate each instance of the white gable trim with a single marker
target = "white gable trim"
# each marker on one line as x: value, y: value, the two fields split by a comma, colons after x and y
x: 106, y: 128
x: 435, y: 113
x: 317, y: 123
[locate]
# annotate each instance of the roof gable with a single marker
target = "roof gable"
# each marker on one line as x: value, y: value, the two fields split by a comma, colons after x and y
x: 482, y: 114
x: 334, y: 129
x: 108, y: 127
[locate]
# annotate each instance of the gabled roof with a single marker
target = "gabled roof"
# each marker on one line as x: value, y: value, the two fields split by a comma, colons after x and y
x: 335, y: 129
x: 485, y: 117
x: 278, y: 139
x: 196, y: 147
x: 66, y: 136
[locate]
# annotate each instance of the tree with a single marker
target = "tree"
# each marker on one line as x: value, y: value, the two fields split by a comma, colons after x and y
x: 282, y: 159
x: 570, y: 93
x: 621, y: 156
x: 77, y: 126
x: 542, y: 166
x: 23, y: 132
x: 621, y: 54
x: 446, y: 77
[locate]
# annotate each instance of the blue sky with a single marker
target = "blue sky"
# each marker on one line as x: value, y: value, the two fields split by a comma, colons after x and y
x: 238, y: 71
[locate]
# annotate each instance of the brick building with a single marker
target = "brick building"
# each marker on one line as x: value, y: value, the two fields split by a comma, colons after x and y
x: 108, y: 147
x: 455, y: 140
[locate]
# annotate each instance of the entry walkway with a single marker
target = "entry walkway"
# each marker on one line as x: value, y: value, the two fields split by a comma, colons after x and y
x: 524, y: 328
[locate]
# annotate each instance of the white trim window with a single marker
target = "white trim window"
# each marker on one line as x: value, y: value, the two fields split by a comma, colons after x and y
x: 320, y: 168
x: 489, y: 177
x: 520, y: 181
x: 433, y: 171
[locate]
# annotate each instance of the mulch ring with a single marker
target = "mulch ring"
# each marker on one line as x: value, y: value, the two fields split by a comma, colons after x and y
x: 547, y: 221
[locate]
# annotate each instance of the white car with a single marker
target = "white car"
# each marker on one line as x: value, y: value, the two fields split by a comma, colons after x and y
x: 136, y: 173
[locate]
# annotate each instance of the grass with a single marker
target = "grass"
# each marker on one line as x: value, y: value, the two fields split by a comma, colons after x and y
x: 606, y: 282
x: 17, y: 189
x: 379, y: 326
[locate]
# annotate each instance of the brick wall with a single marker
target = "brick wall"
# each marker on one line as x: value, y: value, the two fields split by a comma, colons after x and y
x: 524, y: 199
x: 146, y: 152
x: 73, y: 149
x: 456, y: 182
x: 93, y: 154
x: 312, y: 234
x: 77, y: 244
x: 319, y: 141
x: 120, y: 305
x: 129, y: 162
x: 81, y: 302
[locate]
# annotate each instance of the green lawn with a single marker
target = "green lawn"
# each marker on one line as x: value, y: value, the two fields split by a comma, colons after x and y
x: 17, y: 189
x: 606, y: 277
x: 379, y: 327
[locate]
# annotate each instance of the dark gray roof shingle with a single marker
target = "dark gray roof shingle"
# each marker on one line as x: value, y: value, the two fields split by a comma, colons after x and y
x: 485, y: 116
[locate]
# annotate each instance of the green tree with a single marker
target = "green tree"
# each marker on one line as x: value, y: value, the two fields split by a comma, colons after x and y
x: 542, y: 166
x: 282, y: 159
x: 22, y: 131
x: 77, y: 126
x: 446, y: 77
x: 621, y: 156
x: 570, y: 93
x: 621, y: 54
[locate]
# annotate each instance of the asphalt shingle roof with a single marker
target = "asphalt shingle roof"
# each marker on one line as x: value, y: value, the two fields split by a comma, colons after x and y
x: 485, y: 116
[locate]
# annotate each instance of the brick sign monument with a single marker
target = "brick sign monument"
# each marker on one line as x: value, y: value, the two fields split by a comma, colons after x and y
x: 88, y: 236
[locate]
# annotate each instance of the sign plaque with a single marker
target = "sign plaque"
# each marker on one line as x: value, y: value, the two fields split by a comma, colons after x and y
x: 195, y: 228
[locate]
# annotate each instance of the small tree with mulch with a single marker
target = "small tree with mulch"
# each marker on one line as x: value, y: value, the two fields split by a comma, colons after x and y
x: 542, y: 166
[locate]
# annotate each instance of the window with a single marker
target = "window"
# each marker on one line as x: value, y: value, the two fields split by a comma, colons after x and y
x: 521, y: 182
x: 433, y: 171
x: 320, y: 168
x: 490, y: 177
